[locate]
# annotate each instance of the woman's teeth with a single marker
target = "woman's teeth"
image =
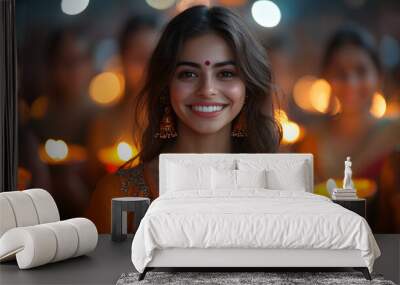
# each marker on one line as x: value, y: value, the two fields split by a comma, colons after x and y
x: 207, y: 109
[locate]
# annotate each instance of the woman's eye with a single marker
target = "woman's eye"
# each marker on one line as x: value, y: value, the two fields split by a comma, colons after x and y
x: 226, y: 74
x: 187, y: 74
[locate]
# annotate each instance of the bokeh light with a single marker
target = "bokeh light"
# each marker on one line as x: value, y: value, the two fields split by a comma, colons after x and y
x: 182, y: 5
x: 320, y: 94
x: 74, y: 7
x: 56, y: 149
x: 291, y: 132
x: 106, y: 88
x: 39, y: 107
x: 313, y: 95
x: 160, y: 4
x: 301, y: 92
x: 378, y: 106
x: 266, y: 13
x: 232, y: 3
x: 114, y: 156
x: 337, y: 107
x: 125, y: 151
x: 280, y: 116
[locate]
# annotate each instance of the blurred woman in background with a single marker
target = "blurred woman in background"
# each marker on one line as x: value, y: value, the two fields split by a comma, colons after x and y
x: 351, y: 66
x: 112, y: 125
x: 64, y: 111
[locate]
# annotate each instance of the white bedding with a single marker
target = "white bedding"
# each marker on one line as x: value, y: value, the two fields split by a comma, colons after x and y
x: 250, y: 218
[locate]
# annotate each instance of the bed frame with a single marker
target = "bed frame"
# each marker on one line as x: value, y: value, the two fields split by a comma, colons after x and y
x: 250, y: 258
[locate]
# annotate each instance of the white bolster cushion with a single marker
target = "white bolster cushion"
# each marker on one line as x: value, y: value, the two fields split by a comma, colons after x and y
x: 23, y: 208
x: 26, y: 208
x: 40, y: 244
x: 7, y: 219
x: 87, y: 234
x: 45, y: 205
x: 33, y: 246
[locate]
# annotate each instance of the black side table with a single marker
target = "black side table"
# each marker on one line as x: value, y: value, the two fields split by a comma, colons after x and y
x: 119, y: 208
x: 358, y: 206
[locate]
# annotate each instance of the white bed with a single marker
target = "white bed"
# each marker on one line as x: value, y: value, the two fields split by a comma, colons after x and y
x: 280, y: 224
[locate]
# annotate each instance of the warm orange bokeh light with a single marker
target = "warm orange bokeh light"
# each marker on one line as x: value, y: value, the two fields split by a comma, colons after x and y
x: 320, y: 94
x: 291, y: 132
x: 232, y: 3
x: 113, y: 157
x: 301, y: 92
x: 39, y: 107
x: 125, y: 151
x: 280, y: 116
x: 106, y: 88
x: 378, y: 106
x: 182, y: 5
x: 24, y: 178
x: 337, y: 107
x: 314, y: 95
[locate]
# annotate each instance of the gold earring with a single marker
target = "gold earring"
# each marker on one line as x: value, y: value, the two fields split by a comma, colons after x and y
x: 167, y: 128
x: 239, y: 129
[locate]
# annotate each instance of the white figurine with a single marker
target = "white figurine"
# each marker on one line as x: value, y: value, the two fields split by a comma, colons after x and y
x: 347, y: 182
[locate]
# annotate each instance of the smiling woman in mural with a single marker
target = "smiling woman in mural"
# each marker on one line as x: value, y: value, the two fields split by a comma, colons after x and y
x: 208, y: 90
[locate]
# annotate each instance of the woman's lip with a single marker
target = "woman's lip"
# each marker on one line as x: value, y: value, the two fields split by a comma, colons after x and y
x: 208, y: 104
x: 206, y: 114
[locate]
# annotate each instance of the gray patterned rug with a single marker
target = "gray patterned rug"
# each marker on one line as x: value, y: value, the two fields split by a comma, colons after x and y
x: 230, y: 278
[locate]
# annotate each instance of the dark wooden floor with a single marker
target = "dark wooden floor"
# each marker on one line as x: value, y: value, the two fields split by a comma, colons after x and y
x: 110, y: 260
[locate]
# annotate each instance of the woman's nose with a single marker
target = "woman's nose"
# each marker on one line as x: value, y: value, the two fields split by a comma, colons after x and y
x: 207, y: 86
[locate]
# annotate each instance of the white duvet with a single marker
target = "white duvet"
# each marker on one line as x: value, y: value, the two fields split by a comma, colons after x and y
x: 251, y: 218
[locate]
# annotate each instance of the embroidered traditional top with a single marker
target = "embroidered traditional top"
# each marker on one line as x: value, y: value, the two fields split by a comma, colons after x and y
x: 138, y: 181
x: 133, y: 177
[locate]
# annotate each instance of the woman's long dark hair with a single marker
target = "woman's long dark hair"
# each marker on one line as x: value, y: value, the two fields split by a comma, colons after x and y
x: 264, y: 133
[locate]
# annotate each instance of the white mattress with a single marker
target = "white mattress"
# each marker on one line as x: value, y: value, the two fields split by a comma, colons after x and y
x: 251, y: 218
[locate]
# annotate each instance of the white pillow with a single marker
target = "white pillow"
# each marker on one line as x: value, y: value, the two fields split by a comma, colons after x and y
x: 224, y: 179
x: 182, y: 178
x: 295, y: 180
x: 236, y: 179
x: 281, y: 174
x: 197, y: 161
x: 251, y: 178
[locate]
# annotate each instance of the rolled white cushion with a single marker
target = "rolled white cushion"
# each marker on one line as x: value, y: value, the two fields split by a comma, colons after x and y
x: 7, y: 218
x: 26, y: 208
x: 40, y: 244
x: 67, y: 240
x: 45, y: 205
x: 87, y: 235
x: 23, y: 208
x: 33, y: 246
